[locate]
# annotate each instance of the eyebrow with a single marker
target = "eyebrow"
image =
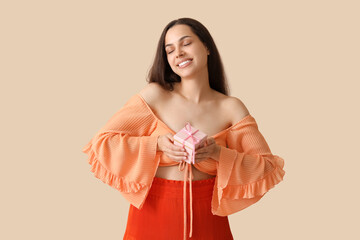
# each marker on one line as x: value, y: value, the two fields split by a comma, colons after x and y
x: 178, y: 40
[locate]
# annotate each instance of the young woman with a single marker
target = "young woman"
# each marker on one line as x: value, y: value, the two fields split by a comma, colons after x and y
x: 135, y: 151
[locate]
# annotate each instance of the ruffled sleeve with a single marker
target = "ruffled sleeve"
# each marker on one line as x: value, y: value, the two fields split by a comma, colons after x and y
x: 123, y: 153
x: 246, y: 169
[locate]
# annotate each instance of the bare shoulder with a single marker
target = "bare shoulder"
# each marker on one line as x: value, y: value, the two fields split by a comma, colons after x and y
x: 152, y: 92
x: 236, y: 108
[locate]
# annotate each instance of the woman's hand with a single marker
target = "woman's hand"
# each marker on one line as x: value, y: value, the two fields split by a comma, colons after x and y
x: 210, y: 150
x: 166, y: 144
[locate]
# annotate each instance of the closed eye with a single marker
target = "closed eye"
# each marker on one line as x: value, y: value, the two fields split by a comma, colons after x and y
x: 184, y: 45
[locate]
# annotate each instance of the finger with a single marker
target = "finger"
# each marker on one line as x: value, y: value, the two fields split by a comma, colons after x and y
x: 176, y: 148
x: 210, y: 140
x: 177, y: 153
x: 210, y: 144
x: 170, y: 145
x: 201, y: 155
x: 201, y: 150
x: 200, y: 146
x: 170, y: 136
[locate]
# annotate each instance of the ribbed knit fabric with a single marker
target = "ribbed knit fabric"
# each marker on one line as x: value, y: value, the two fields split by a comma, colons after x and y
x: 123, y: 155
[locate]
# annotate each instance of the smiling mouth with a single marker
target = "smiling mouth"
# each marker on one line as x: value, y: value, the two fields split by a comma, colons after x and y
x: 185, y: 63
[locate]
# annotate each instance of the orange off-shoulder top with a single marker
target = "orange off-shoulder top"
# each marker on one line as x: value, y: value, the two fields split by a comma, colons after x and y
x: 123, y: 154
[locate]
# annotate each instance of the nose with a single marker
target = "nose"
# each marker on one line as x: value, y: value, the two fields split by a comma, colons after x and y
x: 179, y: 52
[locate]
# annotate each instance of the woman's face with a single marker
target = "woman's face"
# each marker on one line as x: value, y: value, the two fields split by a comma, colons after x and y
x: 186, y: 54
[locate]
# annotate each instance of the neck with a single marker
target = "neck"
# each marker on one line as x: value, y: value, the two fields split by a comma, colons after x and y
x: 194, y: 89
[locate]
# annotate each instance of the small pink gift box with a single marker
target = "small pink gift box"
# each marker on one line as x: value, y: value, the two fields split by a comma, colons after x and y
x: 190, y: 138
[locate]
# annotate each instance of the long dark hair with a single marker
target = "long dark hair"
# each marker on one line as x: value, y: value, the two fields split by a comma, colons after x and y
x: 162, y: 73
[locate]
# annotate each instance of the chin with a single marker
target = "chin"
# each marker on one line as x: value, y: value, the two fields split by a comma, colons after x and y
x: 186, y: 74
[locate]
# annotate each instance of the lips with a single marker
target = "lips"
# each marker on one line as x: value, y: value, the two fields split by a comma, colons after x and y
x: 184, y: 60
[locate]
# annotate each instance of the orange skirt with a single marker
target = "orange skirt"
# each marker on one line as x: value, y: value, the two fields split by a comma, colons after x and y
x: 162, y: 215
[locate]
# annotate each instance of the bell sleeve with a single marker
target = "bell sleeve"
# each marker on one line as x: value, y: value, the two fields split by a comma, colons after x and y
x: 246, y: 169
x: 123, y: 154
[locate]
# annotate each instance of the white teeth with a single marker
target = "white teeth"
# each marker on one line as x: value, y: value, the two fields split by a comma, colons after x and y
x: 181, y: 64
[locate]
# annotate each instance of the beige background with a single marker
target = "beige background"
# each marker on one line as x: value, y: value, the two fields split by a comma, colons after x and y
x: 68, y: 66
